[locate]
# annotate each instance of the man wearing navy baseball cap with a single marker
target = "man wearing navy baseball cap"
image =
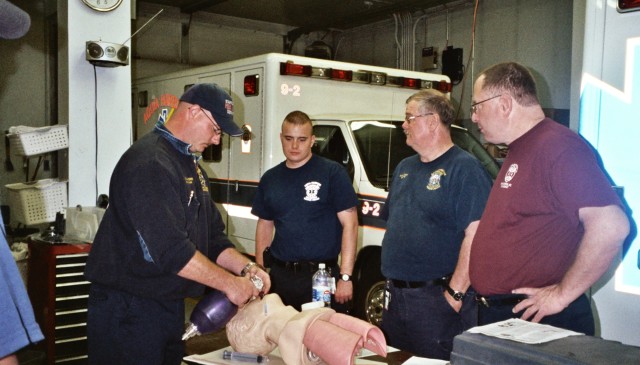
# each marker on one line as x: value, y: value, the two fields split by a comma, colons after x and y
x: 162, y: 239
x: 214, y: 99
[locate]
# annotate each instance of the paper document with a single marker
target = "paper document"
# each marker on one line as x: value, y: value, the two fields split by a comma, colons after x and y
x: 516, y: 329
x: 424, y: 361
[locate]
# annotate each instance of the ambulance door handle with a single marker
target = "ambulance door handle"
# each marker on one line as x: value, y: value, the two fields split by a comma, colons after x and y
x: 237, y: 186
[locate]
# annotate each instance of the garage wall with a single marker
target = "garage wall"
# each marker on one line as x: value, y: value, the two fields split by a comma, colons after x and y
x: 535, y: 33
x: 174, y: 41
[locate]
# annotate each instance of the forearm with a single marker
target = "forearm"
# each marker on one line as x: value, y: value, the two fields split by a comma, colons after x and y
x: 460, y: 279
x: 349, y: 220
x: 204, y: 271
x: 264, y: 236
x: 604, y: 232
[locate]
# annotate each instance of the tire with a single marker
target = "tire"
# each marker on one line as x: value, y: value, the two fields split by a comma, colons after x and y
x: 369, y: 295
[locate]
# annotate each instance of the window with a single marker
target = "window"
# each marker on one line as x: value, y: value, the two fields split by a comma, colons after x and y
x: 330, y: 143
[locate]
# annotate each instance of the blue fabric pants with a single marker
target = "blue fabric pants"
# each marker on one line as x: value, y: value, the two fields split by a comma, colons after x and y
x: 125, y: 329
x: 422, y: 322
x: 576, y: 317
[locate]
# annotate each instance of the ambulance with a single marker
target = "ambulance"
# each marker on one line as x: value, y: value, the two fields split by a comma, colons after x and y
x: 358, y: 111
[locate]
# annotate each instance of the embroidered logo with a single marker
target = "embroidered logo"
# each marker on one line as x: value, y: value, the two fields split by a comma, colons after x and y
x: 228, y: 105
x: 188, y: 180
x: 402, y: 176
x: 434, y: 179
x: 312, y: 189
x: 511, y: 173
x: 203, y: 183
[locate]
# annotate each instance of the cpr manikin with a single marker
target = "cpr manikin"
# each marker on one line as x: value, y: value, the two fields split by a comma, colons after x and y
x: 311, y: 337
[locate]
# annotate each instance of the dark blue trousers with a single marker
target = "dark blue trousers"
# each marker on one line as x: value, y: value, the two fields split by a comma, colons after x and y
x: 576, y: 317
x: 421, y: 321
x: 125, y: 329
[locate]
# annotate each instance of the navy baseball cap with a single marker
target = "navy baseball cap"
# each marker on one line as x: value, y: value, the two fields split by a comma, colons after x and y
x: 217, y: 101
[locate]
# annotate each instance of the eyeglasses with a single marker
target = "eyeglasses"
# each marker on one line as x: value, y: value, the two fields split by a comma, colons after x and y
x: 474, y: 106
x: 217, y: 131
x: 411, y: 118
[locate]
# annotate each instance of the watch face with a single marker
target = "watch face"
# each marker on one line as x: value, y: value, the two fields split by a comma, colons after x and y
x: 345, y: 277
x: 102, y: 5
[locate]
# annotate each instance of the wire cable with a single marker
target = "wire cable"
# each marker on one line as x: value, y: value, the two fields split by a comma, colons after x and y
x: 95, y: 104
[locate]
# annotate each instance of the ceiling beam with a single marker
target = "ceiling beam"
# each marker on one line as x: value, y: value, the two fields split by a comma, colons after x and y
x: 194, y: 6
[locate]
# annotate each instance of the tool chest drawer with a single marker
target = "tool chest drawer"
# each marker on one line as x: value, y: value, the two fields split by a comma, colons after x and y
x: 59, y: 294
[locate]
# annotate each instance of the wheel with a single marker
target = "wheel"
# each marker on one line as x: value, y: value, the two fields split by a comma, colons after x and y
x: 374, y: 303
x: 369, y: 287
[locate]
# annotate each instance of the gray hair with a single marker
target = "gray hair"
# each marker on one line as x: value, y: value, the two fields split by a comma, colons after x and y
x: 436, y: 102
x: 512, y: 78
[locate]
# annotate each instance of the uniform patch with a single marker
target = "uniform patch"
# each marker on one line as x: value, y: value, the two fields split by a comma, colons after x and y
x: 434, y: 179
x: 402, y: 176
x: 188, y: 180
x: 205, y: 186
x: 228, y: 105
x: 312, y: 188
x: 511, y: 173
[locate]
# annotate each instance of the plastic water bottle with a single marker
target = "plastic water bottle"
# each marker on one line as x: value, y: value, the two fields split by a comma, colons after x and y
x: 321, y: 284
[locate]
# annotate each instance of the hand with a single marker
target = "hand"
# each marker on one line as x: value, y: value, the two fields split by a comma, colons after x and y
x: 241, y: 290
x: 456, y: 305
x: 264, y: 276
x: 344, y: 291
x: 540, y: 302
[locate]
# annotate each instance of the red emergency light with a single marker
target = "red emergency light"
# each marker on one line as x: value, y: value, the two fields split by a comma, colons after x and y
x: 288, y: 68
x: 628, y: 5
x: 251, y: 85
x: 442, y: 86
x: 360, y: 76
x: 411, y: 83
x: 341, y: 75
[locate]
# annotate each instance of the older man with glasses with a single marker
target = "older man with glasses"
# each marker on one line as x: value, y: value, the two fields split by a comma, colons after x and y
x: 436, y: 196
x: 553, y: 224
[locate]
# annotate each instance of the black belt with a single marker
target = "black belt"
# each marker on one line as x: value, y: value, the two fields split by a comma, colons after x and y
x: 300, y: 266
x: 500, y: 300
x: 403, y: 284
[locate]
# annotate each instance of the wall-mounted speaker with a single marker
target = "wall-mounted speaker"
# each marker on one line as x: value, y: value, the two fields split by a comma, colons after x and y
x: 105, y: 54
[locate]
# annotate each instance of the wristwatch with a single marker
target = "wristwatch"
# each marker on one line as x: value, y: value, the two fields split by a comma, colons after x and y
x: 247, y: 267
x: 345, y: 277
x: 456, y: 295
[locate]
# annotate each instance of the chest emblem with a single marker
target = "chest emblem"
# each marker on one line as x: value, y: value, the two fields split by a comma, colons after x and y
x: 434, y: 179
x: 312, y: 188
x: 203, y: 183
x: 511, y: 173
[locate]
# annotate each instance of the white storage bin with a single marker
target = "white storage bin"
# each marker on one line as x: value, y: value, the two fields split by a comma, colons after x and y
x: 29, y: 141
x: 37, y: 202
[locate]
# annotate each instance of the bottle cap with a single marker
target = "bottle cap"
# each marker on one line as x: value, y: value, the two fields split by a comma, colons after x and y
x: 321, y: 265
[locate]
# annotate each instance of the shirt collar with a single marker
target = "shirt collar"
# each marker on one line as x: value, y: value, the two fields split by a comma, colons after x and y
x: 179, y: 145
